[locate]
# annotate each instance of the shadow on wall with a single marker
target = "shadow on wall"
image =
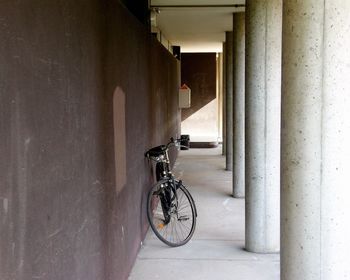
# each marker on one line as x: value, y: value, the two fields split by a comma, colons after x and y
x: 198, y: 71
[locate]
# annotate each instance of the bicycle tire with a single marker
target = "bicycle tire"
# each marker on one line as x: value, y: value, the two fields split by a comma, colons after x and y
x: 180, y: 228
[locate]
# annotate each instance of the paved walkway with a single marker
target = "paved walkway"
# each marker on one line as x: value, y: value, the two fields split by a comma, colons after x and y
x: 216, y: 250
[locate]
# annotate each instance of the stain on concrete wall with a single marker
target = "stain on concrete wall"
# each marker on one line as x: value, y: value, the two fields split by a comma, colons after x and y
x: 60, y: 63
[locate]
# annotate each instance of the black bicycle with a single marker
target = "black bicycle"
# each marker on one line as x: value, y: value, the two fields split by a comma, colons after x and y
x: 171, y: 210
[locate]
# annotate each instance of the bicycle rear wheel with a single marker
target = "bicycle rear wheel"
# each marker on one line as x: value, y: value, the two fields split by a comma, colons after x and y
x: 171, y: 213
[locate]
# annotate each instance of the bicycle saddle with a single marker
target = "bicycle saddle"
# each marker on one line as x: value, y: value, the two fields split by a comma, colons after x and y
x: 156, y: 151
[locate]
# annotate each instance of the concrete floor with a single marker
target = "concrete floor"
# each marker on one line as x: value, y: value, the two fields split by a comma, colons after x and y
x: 216, y: 250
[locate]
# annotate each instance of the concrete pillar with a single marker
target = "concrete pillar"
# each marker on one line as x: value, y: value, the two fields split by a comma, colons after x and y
x: 219, y: 95
x: 263, y: 98
x: 228, y: 99
x: 315, y: 216
x: 238, y: 162
x: 224, y: 99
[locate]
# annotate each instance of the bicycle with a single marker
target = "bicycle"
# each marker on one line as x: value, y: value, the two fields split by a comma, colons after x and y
x: 171, y: 210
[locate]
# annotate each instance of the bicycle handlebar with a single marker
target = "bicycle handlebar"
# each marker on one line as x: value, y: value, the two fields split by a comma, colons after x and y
x: 163, y: 148
x: 173, y: 142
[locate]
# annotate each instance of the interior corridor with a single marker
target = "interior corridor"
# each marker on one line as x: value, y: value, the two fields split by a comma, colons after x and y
x: 216, y: 250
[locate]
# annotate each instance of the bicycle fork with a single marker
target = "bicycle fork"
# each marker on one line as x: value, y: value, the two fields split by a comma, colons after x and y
x: 168, y: 201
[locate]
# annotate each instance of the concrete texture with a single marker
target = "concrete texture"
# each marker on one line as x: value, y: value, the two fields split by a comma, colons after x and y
x: 140, y: 9
x: 263, y: 109
x: 224, y: 98
x: 238, y: 161
x: 217, y: 248
x: 65, y: 213
x: 220, y: 93
x: 229, y: 99
x: 315, y: 224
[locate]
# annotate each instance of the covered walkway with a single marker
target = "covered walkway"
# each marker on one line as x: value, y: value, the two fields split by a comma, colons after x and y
x: 217, y: 248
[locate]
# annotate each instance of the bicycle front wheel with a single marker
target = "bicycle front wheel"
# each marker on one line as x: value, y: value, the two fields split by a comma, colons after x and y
x: 171, y: 213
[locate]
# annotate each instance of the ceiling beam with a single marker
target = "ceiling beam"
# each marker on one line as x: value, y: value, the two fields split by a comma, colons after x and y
x: 198, y: 6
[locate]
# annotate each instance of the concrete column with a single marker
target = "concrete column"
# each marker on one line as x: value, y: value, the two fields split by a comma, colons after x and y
x: 228, y: 99
x: 238, y: 162
x: 224, y: 99
x: 263, y: 98
x: 315, y: 216
x: 220, y: 95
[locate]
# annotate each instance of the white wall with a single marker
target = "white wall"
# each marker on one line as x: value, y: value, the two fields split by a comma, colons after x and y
x: 202, y: 126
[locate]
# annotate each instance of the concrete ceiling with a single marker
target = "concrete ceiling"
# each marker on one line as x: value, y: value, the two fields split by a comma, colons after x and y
x: 196, y: 29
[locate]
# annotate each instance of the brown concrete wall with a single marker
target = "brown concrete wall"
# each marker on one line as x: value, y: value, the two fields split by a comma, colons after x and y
x: 75, y: 87
x: 198, y: 71
x: 139, y: 8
